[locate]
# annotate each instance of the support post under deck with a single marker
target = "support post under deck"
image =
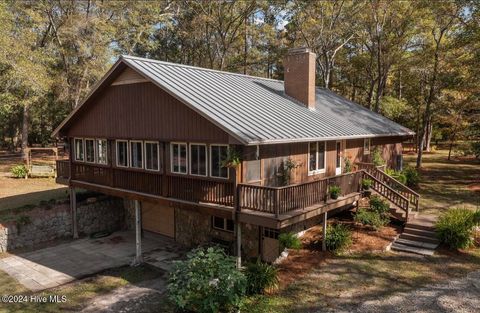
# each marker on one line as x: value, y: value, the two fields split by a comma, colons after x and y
x: 73, y: 208
x: 138, y: 235
x: 324, y: 242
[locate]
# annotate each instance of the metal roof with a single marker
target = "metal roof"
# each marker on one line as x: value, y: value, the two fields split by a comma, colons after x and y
x: 256, y: 110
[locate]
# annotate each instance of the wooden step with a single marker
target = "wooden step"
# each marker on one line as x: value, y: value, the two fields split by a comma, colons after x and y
x: 415, y: 237
x: 418, y: 244
x: 404, y: 248
x: 420, y: 232
x: 420, y: 227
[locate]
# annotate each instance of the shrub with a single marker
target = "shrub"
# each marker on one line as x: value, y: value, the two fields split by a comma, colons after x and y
x: 412, y: 176
x: 475, y: 147
x: 371, y: 218
x: 367, y: 183
x: 19, y: 171
x: 335, y: 191
x: 398, y: 175
x: 207, y: 281
x: 455, y: 228
x: 348, y: 165
x: 379, y: 205
x: 377, y: 158
x: 260, y: 277
x: 338, y: 237
x: 289, y: 241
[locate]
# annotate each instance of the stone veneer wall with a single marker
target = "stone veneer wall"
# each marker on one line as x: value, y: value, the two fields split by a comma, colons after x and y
x: 193, y: 229
x: 45, y: 223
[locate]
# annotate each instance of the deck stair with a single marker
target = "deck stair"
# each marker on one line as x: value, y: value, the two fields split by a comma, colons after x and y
x: 418, y: 236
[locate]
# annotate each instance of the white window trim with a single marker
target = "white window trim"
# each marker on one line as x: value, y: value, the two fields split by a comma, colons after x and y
x: 190, y: 158
x: 224, y: 224
x: 130, y: 154
x: 145, y: 155
x: 116, y: 152
x: 96, y: 150
x: 341, y: 154
x: 171, y: 158
x: 210, y: 161
x: 365, y: 151
x: 317, y: 170
x: 75, y: 149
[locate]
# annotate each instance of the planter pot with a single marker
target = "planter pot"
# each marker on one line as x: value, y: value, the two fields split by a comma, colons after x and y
x: 333, y: 196
x: 367, y: 193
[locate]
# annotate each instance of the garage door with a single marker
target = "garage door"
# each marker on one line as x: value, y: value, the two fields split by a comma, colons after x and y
x: 158, y: 219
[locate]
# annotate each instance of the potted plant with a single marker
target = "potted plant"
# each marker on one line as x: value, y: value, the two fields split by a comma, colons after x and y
x: 233, y: 159
x: 334, y: 191
x: 366, y: 185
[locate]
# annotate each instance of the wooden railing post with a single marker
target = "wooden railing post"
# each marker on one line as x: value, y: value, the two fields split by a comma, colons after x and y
x: 277, y: 202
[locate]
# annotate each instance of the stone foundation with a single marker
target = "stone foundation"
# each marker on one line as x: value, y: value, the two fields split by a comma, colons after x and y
x: 46, y: 223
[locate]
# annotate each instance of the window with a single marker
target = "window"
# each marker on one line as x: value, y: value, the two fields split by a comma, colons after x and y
x: 223, y: 224
x: 136, y: 154
x: 101, y: 151
x: 122, y: 153
x: 78, y: 149
x: 253, y: 171
x: 339, y: 154
x: 366, y: 146
x: 316, y: 162
x: 198, y: 159
x: 152, y: 161
x: 218, y: 154
x: 178, y: 157
x: 270, y: 233
x: 90, y: 150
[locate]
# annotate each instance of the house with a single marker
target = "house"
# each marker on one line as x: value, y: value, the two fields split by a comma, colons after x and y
x: 161, y: 134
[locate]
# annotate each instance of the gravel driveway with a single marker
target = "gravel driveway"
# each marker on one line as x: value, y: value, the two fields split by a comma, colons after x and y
x: 459, y: 295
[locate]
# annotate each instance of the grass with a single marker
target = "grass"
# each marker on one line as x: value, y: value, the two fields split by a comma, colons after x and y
x: 78, y: 294
x: 445, y: 184
x: 342, y: 282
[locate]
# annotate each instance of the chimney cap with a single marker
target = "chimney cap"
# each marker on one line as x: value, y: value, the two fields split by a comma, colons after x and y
x: 298, y: 50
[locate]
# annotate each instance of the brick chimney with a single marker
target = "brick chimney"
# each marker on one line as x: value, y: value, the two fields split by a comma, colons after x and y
x: 299, y: 81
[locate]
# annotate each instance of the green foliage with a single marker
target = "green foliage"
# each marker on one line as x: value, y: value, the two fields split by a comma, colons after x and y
x: 286, y: 171
x: 289, y: 241
x: 379, y: 205
x: 207, y: 281
x: 367, y: 183
x: 348, y: 165
x: 398, y: 175
x: 475, y: 147
x: 334, y: 191
x: 338, y: 237
x: 19, y: 171
x: 393, y: 108
x: 412, y: 176
x: 377, y: 158
x: 261, y: 277
x: 371, y: 218
x: 233, y: 158
x: 455, y: 227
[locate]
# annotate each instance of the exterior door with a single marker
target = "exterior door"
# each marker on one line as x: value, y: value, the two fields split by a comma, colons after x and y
x: 270, y: 245
x: 158, y: 219
x: 338, y: 161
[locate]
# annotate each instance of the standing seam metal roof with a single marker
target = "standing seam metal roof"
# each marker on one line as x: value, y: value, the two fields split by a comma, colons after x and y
x: 256, y: 110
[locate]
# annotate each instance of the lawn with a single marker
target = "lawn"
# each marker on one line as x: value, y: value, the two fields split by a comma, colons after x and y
x: 16, y: 193
x: 78, y: 294
x: 447, y: 184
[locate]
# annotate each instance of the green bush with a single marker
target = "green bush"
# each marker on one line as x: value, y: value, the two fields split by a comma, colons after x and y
x: 260, y: 277
x: 455, y: 227
x: 334, y: 191
x: 377, y: 158
x: 398, y: 175
x: 367, y: 183
x: 348, y: 165
x: 475, y: 147
x: 207, y: 281
x: 371, y: 218
x: 379, y: 205
x: 412, y: 176
x: 338, y: 237
x: 289, y: 241
x: 19, y: 171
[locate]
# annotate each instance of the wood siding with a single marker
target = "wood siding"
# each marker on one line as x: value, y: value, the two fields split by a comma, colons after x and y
x: 143, y: 111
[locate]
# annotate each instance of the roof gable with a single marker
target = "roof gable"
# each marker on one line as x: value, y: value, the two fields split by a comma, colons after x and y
x: 256, y: 110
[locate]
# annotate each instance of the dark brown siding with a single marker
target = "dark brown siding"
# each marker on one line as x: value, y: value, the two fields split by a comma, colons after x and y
x: 143, y: 111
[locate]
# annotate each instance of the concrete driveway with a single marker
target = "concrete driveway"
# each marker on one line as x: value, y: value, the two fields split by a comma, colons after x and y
x: 54, y: 266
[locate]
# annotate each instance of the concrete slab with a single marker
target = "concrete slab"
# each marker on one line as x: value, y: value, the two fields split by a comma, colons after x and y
x: 53, y: 266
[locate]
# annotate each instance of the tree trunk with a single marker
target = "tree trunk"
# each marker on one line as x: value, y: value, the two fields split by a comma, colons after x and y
x: 26, y: 113
x: 428, y: 137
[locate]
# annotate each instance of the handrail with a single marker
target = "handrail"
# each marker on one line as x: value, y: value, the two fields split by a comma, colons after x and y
x: 391, y: 194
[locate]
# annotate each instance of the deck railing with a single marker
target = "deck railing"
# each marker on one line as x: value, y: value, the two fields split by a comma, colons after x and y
x: 281, y: 200
x: 63, y: 168
x: 185, y: 188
